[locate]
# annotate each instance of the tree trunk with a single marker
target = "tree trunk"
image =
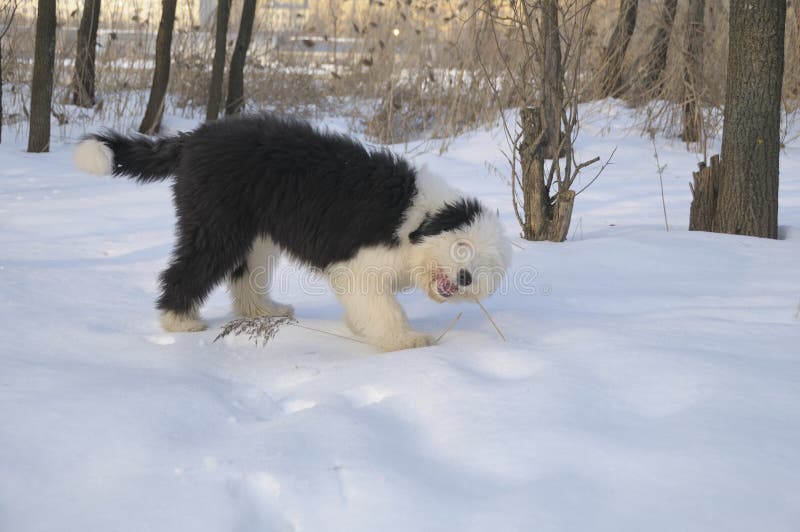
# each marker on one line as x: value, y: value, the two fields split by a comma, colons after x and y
x: 693, y: 71
x: 1, y: 84
x: 532, y: 164
x: 748, y: 192
x: 552, y: 78
x: 235, y: 99
x: 151, y: 122
x: 42, y: 84
x: 9, y: 14
x: 83, y: 92
x: 611, y: 81
x: 545, y: 218
x: 657, y: 56
x: 218, y: 65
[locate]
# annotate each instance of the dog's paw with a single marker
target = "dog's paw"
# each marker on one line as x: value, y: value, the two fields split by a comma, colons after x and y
x: 177, y: 322
x: 406, y: 340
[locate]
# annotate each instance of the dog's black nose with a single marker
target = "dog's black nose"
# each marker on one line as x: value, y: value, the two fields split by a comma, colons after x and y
x: 464, y: 277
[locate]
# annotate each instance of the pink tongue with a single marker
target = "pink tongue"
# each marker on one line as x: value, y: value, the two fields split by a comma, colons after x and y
x: 445, y: 286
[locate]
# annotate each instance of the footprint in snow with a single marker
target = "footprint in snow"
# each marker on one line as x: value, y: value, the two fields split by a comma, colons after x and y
x: 365, y: 396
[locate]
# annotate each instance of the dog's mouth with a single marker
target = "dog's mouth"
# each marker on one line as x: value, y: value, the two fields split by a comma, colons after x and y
x: 444, y: 286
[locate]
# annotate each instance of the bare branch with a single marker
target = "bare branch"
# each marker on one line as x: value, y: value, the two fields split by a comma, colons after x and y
x: 11, y: 7
x: 608, y: 161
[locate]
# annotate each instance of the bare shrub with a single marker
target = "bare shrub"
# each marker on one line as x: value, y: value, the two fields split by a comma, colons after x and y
x: 541, y: 76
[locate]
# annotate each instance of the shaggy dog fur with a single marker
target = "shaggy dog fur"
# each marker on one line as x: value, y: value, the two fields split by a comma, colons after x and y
x: 248, y: 188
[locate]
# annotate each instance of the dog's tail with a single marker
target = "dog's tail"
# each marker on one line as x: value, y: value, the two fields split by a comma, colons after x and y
x: 142, y: 158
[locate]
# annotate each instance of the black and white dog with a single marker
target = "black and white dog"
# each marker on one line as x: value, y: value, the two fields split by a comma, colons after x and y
x: 248, y: 188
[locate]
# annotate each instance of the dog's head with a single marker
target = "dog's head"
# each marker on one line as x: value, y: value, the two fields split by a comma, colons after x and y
x: 460, y: 252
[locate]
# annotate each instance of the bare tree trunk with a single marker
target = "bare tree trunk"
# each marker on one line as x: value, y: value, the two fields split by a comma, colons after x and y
x: 748, y: 192
x: 611, y: 78
x: 693, y: 71
x: 553, y: 78
x: 218, y: 65
x: 545, y: 217
x: 235, y: 99
x: 83, y: 81
x: 659, y: 46
x: 42, y: 84
x: 9, y: 10
x: 151, y: 122
x: 1, y: 85
x: 535, y: 198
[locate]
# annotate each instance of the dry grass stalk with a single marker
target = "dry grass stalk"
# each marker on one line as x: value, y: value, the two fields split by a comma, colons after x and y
x: 450, y: 326
x: 261, y: 329
x: 660, y: 169
x: 264, y: 329
x: 496, y: 328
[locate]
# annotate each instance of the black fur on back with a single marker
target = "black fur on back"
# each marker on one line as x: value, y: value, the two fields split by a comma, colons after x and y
x: 455, y: 215
x: 143, y: 158
x: 320, y: 196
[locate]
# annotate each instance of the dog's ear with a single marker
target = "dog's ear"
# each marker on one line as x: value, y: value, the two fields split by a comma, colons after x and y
x: 452, y: 215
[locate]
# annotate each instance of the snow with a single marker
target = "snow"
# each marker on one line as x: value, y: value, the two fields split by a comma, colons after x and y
x: 650, y: 381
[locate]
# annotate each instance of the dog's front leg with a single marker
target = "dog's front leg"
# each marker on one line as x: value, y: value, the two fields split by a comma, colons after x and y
x: 376, y: 315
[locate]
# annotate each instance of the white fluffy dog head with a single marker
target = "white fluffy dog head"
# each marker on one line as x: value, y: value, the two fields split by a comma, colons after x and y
x: 460, y: 252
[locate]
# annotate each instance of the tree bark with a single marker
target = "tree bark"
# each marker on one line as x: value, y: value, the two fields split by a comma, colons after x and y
x: 611, y: 82
x: 151, y: 122
x: 235, y: 99
x: 705, y: 189
x: 657, y: 56
x: 532, y: 164
x: 545, y: 217
x: 552, y: 78
x: 12, y: 10
x: 218, y: 65
x: 748, y: 192
x: 1, y: 90
x: 83, y: 81
x: 42, y: 84
x: 693, y: 71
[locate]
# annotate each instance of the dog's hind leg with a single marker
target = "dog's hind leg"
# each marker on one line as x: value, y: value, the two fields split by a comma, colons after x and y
x: 250, y: 283
x: 201, y: 259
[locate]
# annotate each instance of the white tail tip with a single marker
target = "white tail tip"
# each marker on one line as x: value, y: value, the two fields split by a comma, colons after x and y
x: 94, y: 157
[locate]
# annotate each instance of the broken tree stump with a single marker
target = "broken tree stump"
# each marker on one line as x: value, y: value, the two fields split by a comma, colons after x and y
x: 704, y: 195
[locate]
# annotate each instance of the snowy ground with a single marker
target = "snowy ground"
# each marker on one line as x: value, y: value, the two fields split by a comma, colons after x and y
x: 651, y: 380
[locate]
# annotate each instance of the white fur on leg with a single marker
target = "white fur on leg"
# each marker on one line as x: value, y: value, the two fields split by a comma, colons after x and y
x: 249, y: 293
x: 380, y: 319
x: 179, y: 322
x: 94, y: 157
x: 365, y: 286
x: 248, y: 302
